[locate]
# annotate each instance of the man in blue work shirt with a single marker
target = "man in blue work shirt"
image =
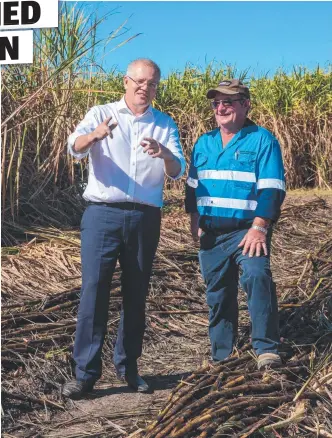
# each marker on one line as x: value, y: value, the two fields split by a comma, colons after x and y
x: 234, y: 192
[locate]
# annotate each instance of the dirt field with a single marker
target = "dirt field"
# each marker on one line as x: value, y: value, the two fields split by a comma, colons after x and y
x: 176, y: 340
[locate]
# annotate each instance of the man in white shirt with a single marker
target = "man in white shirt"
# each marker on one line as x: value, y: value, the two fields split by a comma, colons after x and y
x: 130, y: 146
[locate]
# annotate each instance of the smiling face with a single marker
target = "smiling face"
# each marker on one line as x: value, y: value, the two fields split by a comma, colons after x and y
x: 141, y: 86
x: 232, y: 115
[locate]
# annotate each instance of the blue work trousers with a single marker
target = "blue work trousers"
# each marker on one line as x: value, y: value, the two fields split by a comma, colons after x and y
x: 109, y: 234
x: 220, y: 259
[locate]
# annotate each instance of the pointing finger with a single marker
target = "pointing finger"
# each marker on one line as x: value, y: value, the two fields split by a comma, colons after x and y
x: 107, y: 120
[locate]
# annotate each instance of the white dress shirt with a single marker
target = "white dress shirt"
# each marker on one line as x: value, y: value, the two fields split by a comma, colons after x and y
x: 119, y: 171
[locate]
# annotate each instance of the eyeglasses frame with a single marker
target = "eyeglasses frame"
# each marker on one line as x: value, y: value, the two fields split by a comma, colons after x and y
x: 154, y: 85
x: 230, y: 101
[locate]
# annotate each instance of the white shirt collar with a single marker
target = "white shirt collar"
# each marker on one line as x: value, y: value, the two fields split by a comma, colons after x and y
x: 123, y: 108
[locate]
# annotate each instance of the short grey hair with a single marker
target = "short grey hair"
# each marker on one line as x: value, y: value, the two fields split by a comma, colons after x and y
x: 145, y: 61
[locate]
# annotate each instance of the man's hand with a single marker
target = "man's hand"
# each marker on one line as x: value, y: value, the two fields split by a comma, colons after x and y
x: 156, y: 149
x: 84, y: 142
x: 254, y: 241
x: 194, y: 228
x: 104, y: 129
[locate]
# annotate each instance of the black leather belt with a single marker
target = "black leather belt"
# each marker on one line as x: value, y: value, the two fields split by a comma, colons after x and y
x: 124, y: 205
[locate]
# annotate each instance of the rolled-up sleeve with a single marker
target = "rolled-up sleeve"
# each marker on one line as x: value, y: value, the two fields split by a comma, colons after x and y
x: 174, y: 145
x: 86, y: 126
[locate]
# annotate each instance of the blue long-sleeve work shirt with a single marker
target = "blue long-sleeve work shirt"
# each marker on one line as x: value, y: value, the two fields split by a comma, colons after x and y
x: 231, y: 186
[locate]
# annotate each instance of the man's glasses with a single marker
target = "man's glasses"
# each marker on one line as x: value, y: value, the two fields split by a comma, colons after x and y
x: 225, y: 102
x: 142, y: 82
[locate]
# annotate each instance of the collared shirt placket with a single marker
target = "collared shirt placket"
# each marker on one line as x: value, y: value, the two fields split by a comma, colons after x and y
x: 133, y: 157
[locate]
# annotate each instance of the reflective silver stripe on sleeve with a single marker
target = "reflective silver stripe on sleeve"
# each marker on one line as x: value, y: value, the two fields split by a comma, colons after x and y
x: 271, y: 183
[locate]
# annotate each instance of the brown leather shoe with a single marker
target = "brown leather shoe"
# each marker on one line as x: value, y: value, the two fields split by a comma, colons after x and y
x: 75, y: 389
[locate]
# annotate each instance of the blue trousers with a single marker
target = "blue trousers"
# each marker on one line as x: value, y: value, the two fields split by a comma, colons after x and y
x: 109, y: 234
x: 220, y: 259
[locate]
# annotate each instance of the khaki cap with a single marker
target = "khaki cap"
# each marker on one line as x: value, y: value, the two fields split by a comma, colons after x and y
x: 232, y: 86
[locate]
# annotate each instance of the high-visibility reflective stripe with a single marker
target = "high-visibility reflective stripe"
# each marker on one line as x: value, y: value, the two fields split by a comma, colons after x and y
x: 233, y: 175
x: 271, y: 183
x: 241, y: 204
x: 192, y: 182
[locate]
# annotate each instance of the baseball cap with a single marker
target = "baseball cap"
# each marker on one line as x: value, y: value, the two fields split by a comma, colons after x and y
x: 231, y: 86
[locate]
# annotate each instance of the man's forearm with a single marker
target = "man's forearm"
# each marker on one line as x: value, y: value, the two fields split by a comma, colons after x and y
x: 84, y: 142
x: 172, y: 166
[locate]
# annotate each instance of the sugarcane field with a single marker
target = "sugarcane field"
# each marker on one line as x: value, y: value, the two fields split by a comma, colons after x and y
x: 190, y: 394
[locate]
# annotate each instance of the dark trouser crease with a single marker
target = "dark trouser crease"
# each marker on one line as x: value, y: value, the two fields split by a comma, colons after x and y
x: 220, y: 260
x: 109, y: 234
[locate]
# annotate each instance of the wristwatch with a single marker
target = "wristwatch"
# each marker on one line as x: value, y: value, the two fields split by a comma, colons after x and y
x: 258, y: 228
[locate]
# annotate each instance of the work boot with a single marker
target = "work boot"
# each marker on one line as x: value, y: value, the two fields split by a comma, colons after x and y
x: 75, y: 389
x: 268, y: 360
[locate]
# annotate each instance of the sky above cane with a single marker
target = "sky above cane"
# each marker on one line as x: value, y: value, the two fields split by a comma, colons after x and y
x: 256, y: 36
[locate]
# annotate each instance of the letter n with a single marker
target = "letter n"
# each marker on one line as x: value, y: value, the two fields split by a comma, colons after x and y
x: 10, y: 47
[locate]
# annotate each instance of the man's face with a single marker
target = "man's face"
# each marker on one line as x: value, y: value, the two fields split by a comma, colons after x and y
x: 141, y: 86
x: 231, y: 112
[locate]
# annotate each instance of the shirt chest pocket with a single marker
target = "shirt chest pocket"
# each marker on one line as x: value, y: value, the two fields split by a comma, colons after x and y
x: 244, y: 161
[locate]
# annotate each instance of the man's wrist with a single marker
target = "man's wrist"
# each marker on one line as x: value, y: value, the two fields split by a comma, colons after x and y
x: 261, y: 222
x: 169, y: 155
x: 259, y: 228
x: 92, y: 138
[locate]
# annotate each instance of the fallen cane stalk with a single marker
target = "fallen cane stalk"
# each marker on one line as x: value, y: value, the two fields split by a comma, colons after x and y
x: 237, y: 421
x: 298, y: 395
x: 169, y: 417
x: 189, y: 410
x: 174, y: 423
x: 319, y: 431
x: 229, y: 410
x: 172, y: 400
x: 259, y: 424
x: 233, y: 421
x: 40, y: 401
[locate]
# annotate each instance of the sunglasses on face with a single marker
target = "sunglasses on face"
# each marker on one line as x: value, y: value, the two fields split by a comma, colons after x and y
x: 142, y: 82
x: 225, y: 102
